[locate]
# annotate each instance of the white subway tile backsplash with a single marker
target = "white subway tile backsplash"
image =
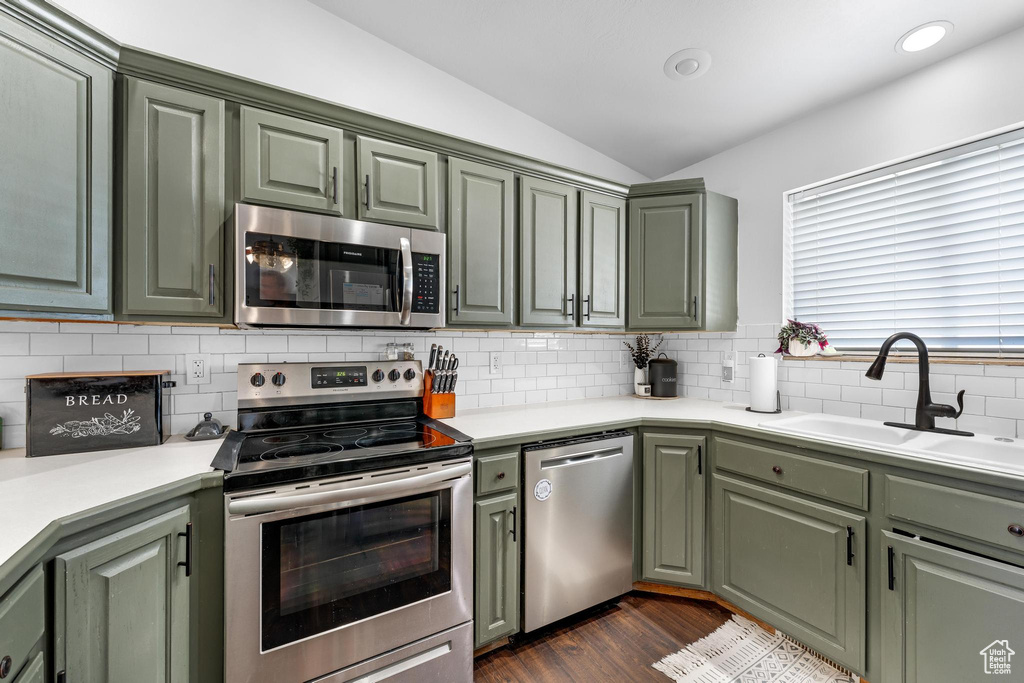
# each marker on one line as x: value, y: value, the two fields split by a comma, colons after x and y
x: 536, y: 367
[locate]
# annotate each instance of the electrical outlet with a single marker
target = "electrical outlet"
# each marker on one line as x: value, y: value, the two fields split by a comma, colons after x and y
x: 494, y: 368
x: 728, y: 366
x: 197, y: 368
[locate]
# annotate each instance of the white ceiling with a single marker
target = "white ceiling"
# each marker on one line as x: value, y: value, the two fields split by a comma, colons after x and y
x: 593, y: 68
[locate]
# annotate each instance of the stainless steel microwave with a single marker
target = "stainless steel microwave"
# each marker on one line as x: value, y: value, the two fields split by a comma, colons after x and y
x: 298, y: 269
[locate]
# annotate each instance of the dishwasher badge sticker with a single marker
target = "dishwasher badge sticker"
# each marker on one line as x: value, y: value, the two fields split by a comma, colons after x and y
x: 542, y: 491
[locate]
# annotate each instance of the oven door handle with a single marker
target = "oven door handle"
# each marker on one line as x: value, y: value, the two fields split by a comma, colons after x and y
x: 251, y: 506
x: 406, y: 280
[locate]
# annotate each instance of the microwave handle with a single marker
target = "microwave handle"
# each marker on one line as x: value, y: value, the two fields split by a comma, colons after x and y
x: 406, y: 280
x: 256, y: 505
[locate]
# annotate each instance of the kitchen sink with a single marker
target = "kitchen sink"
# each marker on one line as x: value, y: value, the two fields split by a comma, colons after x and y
x: 987, y: 451
x: 843, y: 429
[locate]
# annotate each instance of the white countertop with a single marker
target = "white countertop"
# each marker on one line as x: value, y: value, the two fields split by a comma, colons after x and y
x: 532, y: 421
x: 34, y: 492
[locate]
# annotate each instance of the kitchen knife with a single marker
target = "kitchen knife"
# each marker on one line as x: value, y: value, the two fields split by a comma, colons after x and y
x: 455, y: 378
x: 433, y: 354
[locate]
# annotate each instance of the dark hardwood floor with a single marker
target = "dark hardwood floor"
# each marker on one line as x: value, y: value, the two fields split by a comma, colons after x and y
x: 614, y: 643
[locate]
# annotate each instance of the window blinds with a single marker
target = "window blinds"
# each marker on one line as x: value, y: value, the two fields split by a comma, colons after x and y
x: 933, y: 246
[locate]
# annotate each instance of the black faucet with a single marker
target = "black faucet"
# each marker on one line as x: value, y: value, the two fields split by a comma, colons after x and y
x: 926, y: 410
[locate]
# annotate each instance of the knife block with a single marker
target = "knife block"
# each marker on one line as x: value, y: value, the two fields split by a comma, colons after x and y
x: 436, y: 406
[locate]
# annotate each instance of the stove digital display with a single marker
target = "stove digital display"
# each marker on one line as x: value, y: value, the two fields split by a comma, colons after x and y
x: 332, y: 378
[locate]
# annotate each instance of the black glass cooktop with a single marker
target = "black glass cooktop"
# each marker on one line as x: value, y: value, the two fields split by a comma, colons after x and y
x: 269, y: 457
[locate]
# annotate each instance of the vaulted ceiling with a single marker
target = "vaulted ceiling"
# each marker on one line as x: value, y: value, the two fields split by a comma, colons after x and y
x: 593, y: 69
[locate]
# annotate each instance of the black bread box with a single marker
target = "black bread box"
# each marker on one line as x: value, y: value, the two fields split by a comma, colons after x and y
x: 72, y: 412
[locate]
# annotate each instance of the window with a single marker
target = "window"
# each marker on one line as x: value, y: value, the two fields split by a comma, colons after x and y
x: 933, y: 246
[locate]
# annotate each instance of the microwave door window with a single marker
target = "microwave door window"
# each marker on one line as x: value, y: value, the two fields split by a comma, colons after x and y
x: 281, y: 272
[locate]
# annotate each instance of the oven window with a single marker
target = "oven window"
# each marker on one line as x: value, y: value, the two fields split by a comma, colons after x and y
x: 291, y: 272
x: 334, y: 568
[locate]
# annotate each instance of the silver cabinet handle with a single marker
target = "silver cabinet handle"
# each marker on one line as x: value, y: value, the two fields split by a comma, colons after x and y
x: 406, y: 280
x: 695, y: 318
x: 213, y: 284
x: 334, y: 184
x: 250, y: 506
x: 586, y: 301
x: 457, y: 308
x: 366, y: 189
x: 570, y: 305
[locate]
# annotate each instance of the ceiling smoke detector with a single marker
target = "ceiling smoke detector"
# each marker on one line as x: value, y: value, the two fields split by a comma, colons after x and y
x: 687, y: 64
x: 923, y: 36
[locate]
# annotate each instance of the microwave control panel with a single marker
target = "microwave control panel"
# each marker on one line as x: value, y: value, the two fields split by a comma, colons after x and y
x: 426, y: 283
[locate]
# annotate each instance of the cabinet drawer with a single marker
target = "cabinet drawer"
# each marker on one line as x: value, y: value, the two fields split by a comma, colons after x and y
x: 829, y: 480
x: 497, y: 472
x: 964, y: 513
x: 22, y: 619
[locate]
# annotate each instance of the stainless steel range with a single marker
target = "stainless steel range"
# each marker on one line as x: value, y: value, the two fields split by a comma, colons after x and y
x: 348, y: 529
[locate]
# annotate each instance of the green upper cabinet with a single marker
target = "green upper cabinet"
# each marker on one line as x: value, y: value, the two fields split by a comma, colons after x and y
x: 796, y: 564
x: 398, y: 184
x: 602, y: 261
x: 172, y: 237
x: 547, y: 246
x: 291, y: 162
x: 673, y: 509
x: 55, y: 180
x: 665, y: 264
x: 481, y: 244
x: 943, y: 610
x: 682, y: 257
x: 122, y: 605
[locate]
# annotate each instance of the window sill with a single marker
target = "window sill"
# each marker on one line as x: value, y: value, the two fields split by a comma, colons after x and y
x: 912, y: 358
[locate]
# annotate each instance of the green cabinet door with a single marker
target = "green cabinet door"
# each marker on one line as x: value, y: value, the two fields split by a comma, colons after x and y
x: 398, y: 184
x: 798, y: 565
x: 122, y: 605
x: 547, y: 248
x: 673, y: 509
x: 602, y: 261
x: 55, y: 176
x: 944, y: 610
x: 481, y: 244
x: 665, y: 236
x: 290, y: 162
x: 496, y: 610
x: 172, y: 239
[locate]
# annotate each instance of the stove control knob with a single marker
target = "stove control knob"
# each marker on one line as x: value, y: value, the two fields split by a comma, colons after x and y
x: 258, y: 380
x: 278, y: 379
x: 378, y: 375
x: 394, y: 375
x: 410, y: 374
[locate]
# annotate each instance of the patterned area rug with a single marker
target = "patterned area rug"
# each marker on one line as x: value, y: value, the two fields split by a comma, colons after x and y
x: 740, y: 651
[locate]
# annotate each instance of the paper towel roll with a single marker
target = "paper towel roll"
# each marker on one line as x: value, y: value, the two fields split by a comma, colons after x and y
x: 764, y: 384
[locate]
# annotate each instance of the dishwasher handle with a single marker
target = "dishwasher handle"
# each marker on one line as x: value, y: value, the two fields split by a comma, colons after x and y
x: 578, y: 458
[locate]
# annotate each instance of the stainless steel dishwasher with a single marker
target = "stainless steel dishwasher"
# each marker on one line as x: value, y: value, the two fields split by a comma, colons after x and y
x: 578, y: 525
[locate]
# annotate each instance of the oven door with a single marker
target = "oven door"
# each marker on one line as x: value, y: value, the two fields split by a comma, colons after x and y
x: 320, y: 576
x: 303, y: 269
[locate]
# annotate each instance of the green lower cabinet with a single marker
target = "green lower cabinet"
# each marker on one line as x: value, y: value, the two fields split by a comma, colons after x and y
x: 798, y: 565
x: 496, y: 611
x: 172, y: 237
x: 34, y: 672
x: 673, y: 509
x: 949, y: 615
x: 122, y: 605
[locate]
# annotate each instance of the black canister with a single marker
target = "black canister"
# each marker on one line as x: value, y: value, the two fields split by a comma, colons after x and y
x: 662, y: 374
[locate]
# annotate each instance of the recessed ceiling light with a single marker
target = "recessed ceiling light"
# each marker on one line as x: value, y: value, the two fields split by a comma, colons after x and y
x: 687, y: 64
x: 924, y: 36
